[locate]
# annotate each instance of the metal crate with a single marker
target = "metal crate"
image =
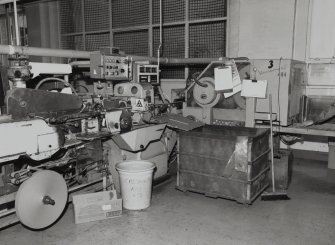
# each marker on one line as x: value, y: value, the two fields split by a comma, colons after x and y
x: 222, y: 161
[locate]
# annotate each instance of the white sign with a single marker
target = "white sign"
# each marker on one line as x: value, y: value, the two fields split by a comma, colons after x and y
x: 254, y: 88
x: 49, y: 68
x: 139, y: 104
x: 237, y: 86
x: 223, y: 79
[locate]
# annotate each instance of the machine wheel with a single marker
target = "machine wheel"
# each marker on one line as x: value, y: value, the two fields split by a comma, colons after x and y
x: 56, y: 79
x: 41, y: 199
x: 206, y: 96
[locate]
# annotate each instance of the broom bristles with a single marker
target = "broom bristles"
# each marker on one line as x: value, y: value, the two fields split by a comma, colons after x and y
x: 274, y: 196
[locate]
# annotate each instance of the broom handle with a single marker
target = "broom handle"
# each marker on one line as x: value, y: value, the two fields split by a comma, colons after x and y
x: 271, y: 145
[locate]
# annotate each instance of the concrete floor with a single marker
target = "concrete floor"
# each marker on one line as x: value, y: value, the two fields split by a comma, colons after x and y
x: 179, y: 218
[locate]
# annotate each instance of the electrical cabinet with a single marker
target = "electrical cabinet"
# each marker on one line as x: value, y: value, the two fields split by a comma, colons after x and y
x: 286, y: 83
x: 110, y: 64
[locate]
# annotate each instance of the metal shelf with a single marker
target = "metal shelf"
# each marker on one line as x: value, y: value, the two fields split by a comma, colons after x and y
x: 327, y: 129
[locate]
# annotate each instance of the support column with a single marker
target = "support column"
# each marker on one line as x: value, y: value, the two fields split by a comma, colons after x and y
x: 250, y: 112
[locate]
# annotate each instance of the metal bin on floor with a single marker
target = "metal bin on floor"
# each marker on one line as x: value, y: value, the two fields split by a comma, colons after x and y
x: 222, y: 161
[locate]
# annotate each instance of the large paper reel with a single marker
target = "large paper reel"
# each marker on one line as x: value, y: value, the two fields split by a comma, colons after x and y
x: 41, y: 199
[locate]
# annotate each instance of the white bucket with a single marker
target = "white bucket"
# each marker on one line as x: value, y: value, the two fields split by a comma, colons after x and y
x: 135, y: 182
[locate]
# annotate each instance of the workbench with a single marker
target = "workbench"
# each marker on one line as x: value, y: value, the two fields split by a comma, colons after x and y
x: 324, y: 130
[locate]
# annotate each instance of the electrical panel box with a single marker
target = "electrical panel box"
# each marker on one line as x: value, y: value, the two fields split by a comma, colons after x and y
x: 147, y: 74
x: 286, y: 83
x: 110, y: 67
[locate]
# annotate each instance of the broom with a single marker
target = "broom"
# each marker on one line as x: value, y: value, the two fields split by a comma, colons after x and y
x: 274, y: 195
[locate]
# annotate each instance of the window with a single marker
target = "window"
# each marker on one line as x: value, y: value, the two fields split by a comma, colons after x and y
x: 191, y: 28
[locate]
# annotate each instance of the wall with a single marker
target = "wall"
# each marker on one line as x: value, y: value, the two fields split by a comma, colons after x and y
x: 301, y: 29
x: 263, y: 29
x: 322, y: 31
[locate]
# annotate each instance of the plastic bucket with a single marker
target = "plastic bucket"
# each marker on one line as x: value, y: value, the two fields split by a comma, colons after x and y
x: 135, y: 182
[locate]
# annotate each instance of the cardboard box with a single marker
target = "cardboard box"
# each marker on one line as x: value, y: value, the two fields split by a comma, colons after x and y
x: 96, y: 206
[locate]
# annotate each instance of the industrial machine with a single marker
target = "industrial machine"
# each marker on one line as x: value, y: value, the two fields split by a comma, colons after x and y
x: 286, y: 83
x: 211, y: 106
x: 51, y: 136
x: 49, y: 139
x: 133, y: 85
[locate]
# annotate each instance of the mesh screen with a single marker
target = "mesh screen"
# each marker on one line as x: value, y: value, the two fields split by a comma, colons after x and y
x: 2, y: 9
x: 72, y: 42
x: 172, y: 72
x: 96, y: 41
x: 207, y: 40
x: 173, y: 46
x: 134, y: 42
x: 70, y: 16
x: 129, y: 13
x: 200, y: 9
x: 173, y: 10
x: 96, y: 15
x: 196, y: 68
x: 173, y: 41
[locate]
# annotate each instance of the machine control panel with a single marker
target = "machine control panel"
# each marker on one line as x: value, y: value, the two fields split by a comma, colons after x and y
x: 148, y: 74
x: 109, y: 67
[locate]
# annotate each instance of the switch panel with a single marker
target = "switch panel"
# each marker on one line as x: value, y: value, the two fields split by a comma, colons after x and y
x: 109, y: 67
x: 148, y: 74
